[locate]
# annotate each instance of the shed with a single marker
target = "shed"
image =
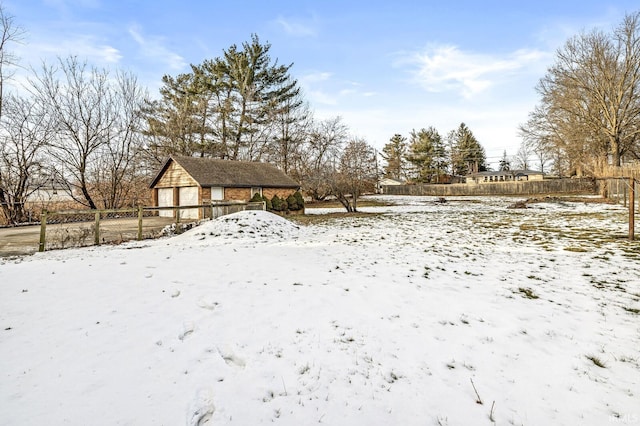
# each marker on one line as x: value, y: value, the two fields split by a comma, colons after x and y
x: 385, y: 182
x: 189, y: 181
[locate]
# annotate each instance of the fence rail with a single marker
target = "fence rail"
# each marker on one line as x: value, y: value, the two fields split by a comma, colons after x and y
x: 78, y: 228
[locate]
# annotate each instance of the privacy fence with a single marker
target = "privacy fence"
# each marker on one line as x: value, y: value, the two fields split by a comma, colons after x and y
x: 615, y: 182
x: 79, y: 228
x: 618, y: 188
x: 551, y: 186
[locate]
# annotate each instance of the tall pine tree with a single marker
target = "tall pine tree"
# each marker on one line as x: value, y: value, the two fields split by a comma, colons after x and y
x: 225, y: 106
x: 394, y: 154
x: 467, y: 155
x: 427, y: 154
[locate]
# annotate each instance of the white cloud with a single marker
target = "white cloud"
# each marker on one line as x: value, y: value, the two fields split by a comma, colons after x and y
x: 443, y: 68
x: 321, y: 97
x: 152, y: 47
x: 313, y: 84
x: 322, y: 88
x: 315, y: 77
x: 84, y: 46
x: 347, y: 92
x: 297, y: 27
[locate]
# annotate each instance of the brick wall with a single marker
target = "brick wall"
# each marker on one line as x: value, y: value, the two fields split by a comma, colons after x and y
x: 281, y: 192
x: 240, y: 194
x: 205, y: 194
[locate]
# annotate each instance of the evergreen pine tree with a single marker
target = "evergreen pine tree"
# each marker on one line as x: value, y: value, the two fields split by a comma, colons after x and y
x: 394, y: 154
x: 505, y: 163
x: 467, y: 155
x: 427, y: 154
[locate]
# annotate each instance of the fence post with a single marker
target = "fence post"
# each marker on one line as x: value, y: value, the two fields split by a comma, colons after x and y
x: 177, y: 210
x: 632, y: 205
x: 96, y: 239
x: 139, y: 222
x: 43, y: 230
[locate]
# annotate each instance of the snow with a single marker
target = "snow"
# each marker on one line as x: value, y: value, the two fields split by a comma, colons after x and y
x: 384, y: 319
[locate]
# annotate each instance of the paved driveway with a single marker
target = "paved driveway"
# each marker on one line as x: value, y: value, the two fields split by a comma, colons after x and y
x: 25, y: 239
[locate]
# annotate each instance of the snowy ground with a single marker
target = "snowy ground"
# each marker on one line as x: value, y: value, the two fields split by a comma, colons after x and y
x: 390, y: 319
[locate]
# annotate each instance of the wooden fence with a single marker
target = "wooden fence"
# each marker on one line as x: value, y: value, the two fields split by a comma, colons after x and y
x: 551, y: 186
x: 77, y: 228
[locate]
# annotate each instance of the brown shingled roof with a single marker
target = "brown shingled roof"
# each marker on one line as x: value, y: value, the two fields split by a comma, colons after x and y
x: 227, y: 173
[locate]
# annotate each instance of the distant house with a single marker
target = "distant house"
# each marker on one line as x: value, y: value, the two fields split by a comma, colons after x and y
x: 49, y: 190
x: 387, y: 181
x: 504, y: 176
x: 190, y: 181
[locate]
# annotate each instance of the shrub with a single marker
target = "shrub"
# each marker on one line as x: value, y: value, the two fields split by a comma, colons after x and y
x: 292, y: 203
x: 261, y: 198
x: 278, y: 204
x: 299, y: 199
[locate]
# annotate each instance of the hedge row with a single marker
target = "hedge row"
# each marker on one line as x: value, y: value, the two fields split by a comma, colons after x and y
x: 293, y: 202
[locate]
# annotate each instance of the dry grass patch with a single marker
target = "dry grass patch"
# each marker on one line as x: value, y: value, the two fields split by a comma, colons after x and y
x: 313, y: 219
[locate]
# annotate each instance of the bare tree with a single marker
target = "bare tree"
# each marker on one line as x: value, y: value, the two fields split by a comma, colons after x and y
x: 591, y: 96
x: 523, y: 157
x: 27, y: 132
x: 357, y: 174
x: 319, y: 157
x: 94, y: 118
x: 9, y: 33
x: 117, y: 177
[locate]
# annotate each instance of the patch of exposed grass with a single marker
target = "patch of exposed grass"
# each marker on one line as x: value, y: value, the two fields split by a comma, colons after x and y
x: 362, y: 202
x: 629, y: 359
x: 576, y: 249
x: 427, y: 271
x: 314, y: 219
x: 596, y: 361
x: 528, y: 293
x: 632, y: 310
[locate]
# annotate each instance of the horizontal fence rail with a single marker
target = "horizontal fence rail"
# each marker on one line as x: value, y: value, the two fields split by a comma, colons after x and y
x: 79, y: 228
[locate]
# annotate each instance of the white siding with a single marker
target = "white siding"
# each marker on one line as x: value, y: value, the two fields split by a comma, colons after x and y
x: 188, y: 197
x: 165, y: 199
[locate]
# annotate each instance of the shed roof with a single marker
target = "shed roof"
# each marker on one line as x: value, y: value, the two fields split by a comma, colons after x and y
x: 209, y: 172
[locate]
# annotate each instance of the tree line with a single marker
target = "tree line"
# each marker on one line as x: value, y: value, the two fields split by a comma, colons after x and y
x: 99, y: 133
x: 427, y: 157
x: 588, y: 117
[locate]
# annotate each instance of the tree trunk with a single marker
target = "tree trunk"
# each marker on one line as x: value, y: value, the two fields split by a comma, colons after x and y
x: 354, y: 196
x: 615, y: 152
x: 85, y: 193
x: 345, y: 203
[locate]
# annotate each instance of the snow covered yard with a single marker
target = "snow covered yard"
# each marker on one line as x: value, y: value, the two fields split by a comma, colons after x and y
x: 462, y: 313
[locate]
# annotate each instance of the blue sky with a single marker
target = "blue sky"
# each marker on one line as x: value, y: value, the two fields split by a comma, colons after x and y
x: 385, y: 67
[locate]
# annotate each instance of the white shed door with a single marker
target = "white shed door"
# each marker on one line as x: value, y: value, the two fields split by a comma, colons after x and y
x: 165, y: 199
x: 188, y: 197
x: 217, y: 193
